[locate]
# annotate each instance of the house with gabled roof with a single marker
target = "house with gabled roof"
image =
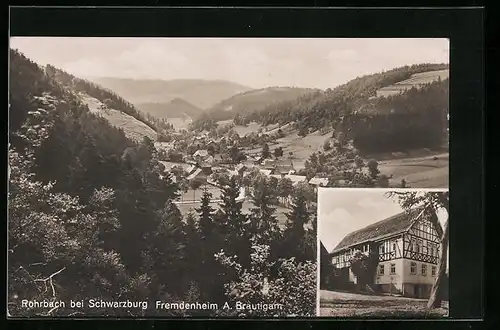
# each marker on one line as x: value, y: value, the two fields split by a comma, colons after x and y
x: 197, y: 174
x: 318, y: 182
x: 296, y: 179
x: 407, y: 247
x: 201, y: 154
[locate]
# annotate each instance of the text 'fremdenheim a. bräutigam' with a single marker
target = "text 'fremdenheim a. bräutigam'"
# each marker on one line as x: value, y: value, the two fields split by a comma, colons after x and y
x: 200, y: 306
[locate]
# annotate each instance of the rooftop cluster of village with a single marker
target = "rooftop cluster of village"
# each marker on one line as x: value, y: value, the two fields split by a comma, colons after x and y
x: 210, y: 157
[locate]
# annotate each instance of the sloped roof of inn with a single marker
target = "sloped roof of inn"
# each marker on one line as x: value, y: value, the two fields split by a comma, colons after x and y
x: 393, y: 225
x: 201, y: 152
x: 194, y: 174
x: 170, y: 165
x: 319, y: 181
x: 265, y: 172
x: 296, y: 178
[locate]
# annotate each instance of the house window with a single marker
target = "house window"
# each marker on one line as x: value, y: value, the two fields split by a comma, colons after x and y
x: 431, y: 250
x: 424, y: 270
x: 413, y: 268
x: 393, y: 269
x: 418, y: 246
x: 382, y: 249
x: 393, y: 246
x: 381, y: 269
x: 433, y: 270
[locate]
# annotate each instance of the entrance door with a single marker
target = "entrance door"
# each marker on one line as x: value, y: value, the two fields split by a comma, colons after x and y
x: 418, y: 291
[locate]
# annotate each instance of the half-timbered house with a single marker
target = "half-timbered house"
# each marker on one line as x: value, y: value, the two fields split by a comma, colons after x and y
x: 407, y: 247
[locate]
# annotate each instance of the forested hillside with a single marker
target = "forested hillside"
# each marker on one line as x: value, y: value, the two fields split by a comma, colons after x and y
x: 414, y: 119
x: 91, y: 215
x: 332, y: 103
x: 245, y: 103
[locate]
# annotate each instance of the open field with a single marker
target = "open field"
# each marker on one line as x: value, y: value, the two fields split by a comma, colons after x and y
x: 301, y: 147
x: 419, y: 172
x: 343, y: 304
x: 224, y: 122
x: 189, y: 205
x: 425, y: 77
x: 180, y: 123
x: 417, y: 80
x: 253, y: 127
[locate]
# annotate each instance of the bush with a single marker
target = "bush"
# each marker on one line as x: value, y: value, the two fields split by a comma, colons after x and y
x: 290, y: 292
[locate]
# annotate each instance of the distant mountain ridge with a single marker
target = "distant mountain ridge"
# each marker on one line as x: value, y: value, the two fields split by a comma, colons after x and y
x: 176, y: 108
x: 199, y: 92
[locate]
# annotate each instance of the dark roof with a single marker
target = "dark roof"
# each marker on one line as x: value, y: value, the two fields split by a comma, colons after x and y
x: 324, y: 251
x: 396, y: 224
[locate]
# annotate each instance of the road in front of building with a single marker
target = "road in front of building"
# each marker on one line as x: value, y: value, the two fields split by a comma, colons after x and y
x: 346, y: 304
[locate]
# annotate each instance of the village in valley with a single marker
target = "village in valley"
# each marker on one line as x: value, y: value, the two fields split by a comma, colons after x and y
x: 209, y: 152
x: 207, y: 160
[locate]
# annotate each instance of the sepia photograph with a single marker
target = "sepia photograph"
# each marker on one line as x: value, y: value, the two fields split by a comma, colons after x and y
x: 383, y: 253
x: 178, y: 177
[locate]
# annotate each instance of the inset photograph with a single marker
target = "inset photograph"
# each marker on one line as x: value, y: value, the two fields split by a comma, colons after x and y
x: 383, y: 253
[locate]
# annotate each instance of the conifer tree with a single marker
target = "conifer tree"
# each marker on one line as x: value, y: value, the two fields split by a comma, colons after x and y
x: 263, y: 225
x: 294, y: 235
x: 231, y: 222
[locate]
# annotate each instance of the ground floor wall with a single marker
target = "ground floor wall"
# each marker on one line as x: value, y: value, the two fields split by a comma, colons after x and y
x: 405, y: 277
x: 417, y: 290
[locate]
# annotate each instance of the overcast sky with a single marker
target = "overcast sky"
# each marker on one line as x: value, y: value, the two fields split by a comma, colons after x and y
x: 255, y: 62
x: 342, y: 211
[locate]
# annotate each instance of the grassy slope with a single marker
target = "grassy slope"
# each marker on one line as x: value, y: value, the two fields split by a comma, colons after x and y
x: 419, y: 79
x: 419, y: 172
x: 216, y: 194
x: 133, y: 128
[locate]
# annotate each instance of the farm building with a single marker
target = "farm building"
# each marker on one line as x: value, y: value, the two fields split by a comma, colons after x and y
x: 284, y: 169
x: 200, y: 154
x: 257, y: 160
x: 198, y: 174
x: 296, y: 179
x: 240, y: 168
x: 265, y: 172
x: 209, y: 161
x: 318, y: 182
x: 276, y: 176
x: 170, y: 165
x: 191, y: 168
x: 406, y: 246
